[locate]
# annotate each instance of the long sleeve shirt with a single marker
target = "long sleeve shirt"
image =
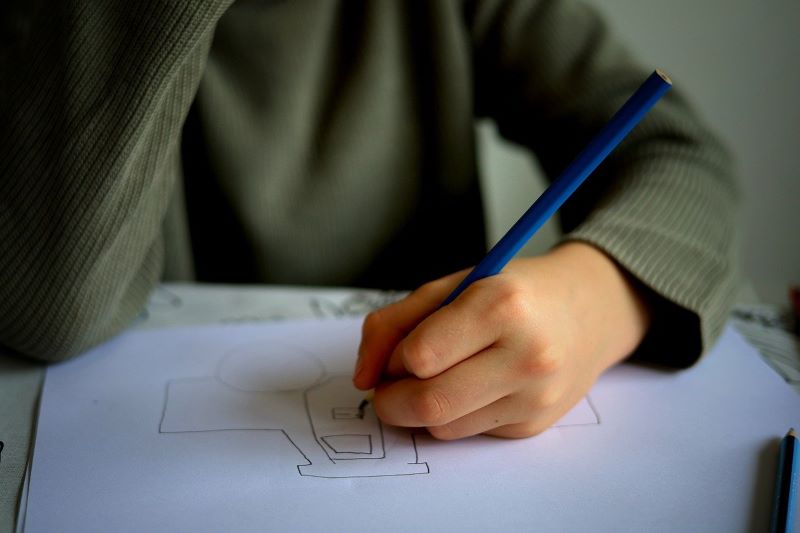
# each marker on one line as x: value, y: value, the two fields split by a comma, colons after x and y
x: 326, y: 142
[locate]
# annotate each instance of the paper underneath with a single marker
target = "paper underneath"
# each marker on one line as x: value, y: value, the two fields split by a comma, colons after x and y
x: 256, y: 428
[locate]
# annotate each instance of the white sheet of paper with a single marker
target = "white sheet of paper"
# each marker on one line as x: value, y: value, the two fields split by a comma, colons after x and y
x: 255, y: 428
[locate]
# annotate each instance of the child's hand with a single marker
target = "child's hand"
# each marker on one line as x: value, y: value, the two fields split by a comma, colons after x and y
x: 511, y: 355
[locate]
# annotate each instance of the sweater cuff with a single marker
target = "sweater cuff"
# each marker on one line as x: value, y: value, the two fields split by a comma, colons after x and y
x: 690, y: 290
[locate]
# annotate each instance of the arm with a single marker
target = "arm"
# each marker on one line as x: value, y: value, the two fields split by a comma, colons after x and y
x: 649, y: 246
x: 662, y: 205
x: 508, y: 357
x: 93, y: 97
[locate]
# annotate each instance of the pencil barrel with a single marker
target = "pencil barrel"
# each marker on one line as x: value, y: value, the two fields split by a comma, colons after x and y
x: 609, y: 137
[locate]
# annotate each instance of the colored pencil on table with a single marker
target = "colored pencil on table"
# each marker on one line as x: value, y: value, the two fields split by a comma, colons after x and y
x: 784, y: 500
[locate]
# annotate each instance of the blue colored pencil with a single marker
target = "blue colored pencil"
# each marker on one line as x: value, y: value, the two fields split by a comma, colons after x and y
x: 784, y: 500
x: 573, y: 176
x: 562, y: 188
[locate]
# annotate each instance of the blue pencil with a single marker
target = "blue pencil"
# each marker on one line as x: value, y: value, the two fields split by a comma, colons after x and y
x: 575, y: 174
x: 785, y: 498
x: 562, y: 188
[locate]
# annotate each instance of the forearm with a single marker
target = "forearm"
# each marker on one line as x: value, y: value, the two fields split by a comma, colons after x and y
x: 94, y: 96
x: 662, y: 205
x: 606, y: 301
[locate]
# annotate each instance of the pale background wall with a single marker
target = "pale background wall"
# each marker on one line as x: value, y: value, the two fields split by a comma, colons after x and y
x: 739, y: 62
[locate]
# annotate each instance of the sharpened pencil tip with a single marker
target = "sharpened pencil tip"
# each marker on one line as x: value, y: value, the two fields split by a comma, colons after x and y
x: 364, y: 403
x: 361, y: 407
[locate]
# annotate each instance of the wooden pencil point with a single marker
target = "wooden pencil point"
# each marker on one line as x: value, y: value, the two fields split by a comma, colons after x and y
x: 361, y: 407
x: 365, y: 402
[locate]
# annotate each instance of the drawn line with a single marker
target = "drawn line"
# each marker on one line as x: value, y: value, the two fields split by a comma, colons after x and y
x: 416, y: 452
x: 325, y: 442
x: 311, y: 423
x: 344, y: 413
x: 594, y: 410
x: 368, y: 436
x: 230, y: 354
x: 376, y: 475
x: 309, y: 463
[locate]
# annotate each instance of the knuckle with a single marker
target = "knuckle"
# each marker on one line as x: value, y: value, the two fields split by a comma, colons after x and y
x: 429, y: 290
x: 374, y: 321
x: 511, y: 303
x: 543, y: 363
x: 430, y: 407
x: 547, y: 398
x: 419, y: 357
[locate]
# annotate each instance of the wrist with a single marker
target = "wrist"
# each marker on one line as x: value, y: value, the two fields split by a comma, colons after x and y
x: 608, y: 302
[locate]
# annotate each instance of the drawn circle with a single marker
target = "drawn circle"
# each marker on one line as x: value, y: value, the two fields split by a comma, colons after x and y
x: 267, y: 365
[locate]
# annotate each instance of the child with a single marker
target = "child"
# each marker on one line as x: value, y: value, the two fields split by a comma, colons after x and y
x: 332, y: 143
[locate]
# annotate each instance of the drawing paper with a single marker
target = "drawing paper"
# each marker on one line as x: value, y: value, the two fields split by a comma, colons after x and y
x: 256, y: 428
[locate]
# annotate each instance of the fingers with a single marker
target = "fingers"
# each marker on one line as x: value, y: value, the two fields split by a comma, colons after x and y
x: 485, y: 419
x: 462, y: 409
x: 521, y: 430
x: 447, y: 337
x: 489, y: 312
x: 502, y: 418
x: 385, y: 328
x: 515, y: 416
x: 536, y: 420
x: 469, y: 386
x: 497, y: 392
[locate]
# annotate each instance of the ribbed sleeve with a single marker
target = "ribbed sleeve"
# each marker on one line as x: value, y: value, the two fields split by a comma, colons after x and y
x: 663, y: 204
x: 336, y: 141
x: 93, y: 98
x: 669, y: 221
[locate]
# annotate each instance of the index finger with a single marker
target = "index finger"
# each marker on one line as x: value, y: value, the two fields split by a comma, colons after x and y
x: 385, y: 328
x: 449, y: 335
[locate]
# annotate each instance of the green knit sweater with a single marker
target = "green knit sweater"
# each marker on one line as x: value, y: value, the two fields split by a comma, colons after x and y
x: 325, y: 142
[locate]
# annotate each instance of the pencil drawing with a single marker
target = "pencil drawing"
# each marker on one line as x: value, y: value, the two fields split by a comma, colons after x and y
x: 276, y: 386
x: 287, y: 389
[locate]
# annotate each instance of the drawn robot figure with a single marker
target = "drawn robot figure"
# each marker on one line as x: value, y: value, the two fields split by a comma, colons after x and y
x: 283, y: 388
